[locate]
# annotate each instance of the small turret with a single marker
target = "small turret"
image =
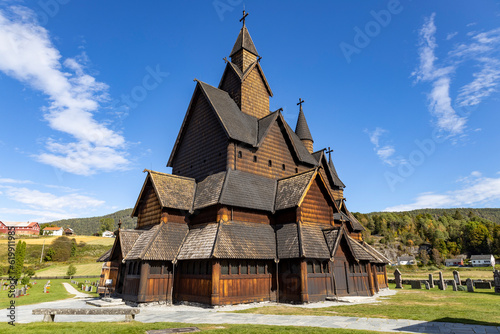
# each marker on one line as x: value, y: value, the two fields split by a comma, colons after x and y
x: 302, y: 129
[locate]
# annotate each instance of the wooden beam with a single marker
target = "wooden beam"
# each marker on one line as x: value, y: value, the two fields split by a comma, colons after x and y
x: 215, y: 297
x: 143, y: 283
x: 303, y: 282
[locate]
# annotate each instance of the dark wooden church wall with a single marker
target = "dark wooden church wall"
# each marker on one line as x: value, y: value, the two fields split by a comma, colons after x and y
x: 193, y: 281
x: 285, y: 216
x: 248, y: 215
x: 315, y: 208
x: 202, y: 150
x: 244, y: 281
x: 289, y: 280
x: 175, y: 216
x: 158, y: 282
x: 319, y: 280
x: 254, y: 95
x: 243, y: 59
x: 205, y: 215
x: 131, y: 280
x: 231, y: 83
x: 336, y: 193
x: 150, y: 209
x: 273, y: 159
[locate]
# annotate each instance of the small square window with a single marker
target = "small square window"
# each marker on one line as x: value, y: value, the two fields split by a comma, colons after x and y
x: 254, y: 158
x: 240, y: 154
x: 270, y: 163
x: 296, y: 170
x: 283, y: 167
x: 224, y: 268
x: 244, y: 268
x: 234, y: 268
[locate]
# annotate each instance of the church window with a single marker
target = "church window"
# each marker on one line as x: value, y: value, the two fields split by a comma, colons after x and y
x: 270, y: 163
x: 155, y: 269
x: 244, y: 268
x: 325, y: 267
x: 296, y: 170
x: 234, y: 268
x: 310, y: 267
x: 253, y: 268
x: 261, y: 268
x: 283, y: 167
x: 138, y: 268
x: 240, y: 154
x: 254, y: 158
x: 224, y: 268
x: 317, y: 267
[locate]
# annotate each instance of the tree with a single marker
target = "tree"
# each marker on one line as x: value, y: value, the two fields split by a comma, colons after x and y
x: 457, y: 215
x: 424, y: 257
x: 49, y: 255
x: 62, y: 249
x: 107, y: 224
x: 19, y: 256
x: 73, y: 247
x: 436, y: 257
x: 71, y: 270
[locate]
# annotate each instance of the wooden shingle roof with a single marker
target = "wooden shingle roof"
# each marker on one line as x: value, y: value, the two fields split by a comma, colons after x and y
x: 208, y: 191
x: 302, y: 129
x: 127, y: 239
x: 359, y: 252
x: 291, y: 189
x: 105, y: 257
x: 380, y: 258
x: 244, y: 41
x: 238, y: 240
x: 162, y: 242
x: 313, y: 242
x: 199, y: 242
x: 287, y: 238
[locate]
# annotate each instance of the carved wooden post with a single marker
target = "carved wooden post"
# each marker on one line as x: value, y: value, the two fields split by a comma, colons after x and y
x: 143, y: 283
x: 215, y: 298
x: 371, y: 279
x: 303, y: 281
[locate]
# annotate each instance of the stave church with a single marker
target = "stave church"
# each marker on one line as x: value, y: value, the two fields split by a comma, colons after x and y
x: 251, y: 212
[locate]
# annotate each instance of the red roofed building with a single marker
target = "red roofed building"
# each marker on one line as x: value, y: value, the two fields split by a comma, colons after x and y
x: 53, y: 231
x: 20, y: 227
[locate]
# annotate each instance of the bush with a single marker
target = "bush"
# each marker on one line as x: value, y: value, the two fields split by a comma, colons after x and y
x: 25, y: 280
x: 71, y: 270
x: 461, y: 288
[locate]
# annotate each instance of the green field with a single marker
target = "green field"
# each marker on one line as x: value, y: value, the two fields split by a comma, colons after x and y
x: 82, y: 269
x: 423, y: 273
x: 35, y: 294
x: 480, y: 307
x: 137, y: 327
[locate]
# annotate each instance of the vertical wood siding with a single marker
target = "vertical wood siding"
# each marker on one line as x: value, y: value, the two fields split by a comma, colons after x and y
x: 150, y: 208
x: 315, y: 207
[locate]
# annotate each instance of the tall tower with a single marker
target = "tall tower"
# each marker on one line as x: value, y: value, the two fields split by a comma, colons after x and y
x: 302, y: 129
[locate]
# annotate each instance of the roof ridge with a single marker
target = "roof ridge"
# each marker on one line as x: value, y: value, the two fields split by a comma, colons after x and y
x: 166, y: 174
x: 150, y: 241
x: 298, y: 174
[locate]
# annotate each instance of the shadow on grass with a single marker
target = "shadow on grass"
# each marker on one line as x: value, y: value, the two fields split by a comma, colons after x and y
x: 463, y: 325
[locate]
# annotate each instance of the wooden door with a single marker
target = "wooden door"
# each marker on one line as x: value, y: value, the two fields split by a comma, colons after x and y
x: 341, y: 276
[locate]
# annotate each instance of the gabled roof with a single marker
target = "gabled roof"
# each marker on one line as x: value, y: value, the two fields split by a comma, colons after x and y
x: 313, y: 243
x: 161, y: 243
x: 173, y: 191
x: 287, y: 239
x: 54, y: 228
x: 481, y: 257
x: 299, y: 148
x: 105, y: 257
x: 328, y: 167
x: 380, y: 258
x: 244, y: 41
x: 20, y: 224
x: 264, y: 126
x: 126, y: 240
x: 302, y: 129
x: 291, y: 190
x: 208, y: 191
x: 359, y: 252
x: 355, y: 224
x: 199, y: 242
x: 243, y: 75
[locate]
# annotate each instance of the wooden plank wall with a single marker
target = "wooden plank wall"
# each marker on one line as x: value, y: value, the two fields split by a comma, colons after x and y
x: 231, y: 83
x: 150, y: 208
x: 248, y: 215
x: 315, y: 208
x: 193, y: 288
x: 254, y: 95
x: 203, y: 146
x: 159, y: 288
x: 236, y: 289
x: 319, y: 286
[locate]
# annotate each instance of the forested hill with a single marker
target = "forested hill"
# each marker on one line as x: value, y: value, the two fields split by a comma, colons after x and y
x: 89, y: 226
x: 444, y: 232
x: 489, y: 213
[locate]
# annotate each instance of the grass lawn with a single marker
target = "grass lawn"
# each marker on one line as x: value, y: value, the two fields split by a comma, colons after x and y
x: 82, y: 269
x: 38, y: 240
x: 480, y: 307
x: 82, y: 280
x: 465, y: 272
x: 36, y: 295
x: 137, y: 327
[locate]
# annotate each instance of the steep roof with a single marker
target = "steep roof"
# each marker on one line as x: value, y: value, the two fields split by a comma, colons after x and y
x: 302, y: 129
x: 244, y: 41
x: 328, y: 167
x: 199, y: 242
x: 20, y: 224
x: 208, y: 191
x: 243, y: 75
x: 355, y: 224
x: 299, y: 240
x: 287, y: 239
x: 380, y: 258
x: 172, y: 191
x: 105, y: 257
x: 291, y: 189
x: 162, y: 242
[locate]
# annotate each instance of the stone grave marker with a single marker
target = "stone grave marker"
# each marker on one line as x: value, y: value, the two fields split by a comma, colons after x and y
x: 454, y: 285
x: 398, y: 279
x: 482, y: 285
x: 456, y: 276
x: 470, y: 285
x: 442, y: 284
x: 431, y: 281
x: 427, y: 285
x: 496, y: 279
x: 416, y: 284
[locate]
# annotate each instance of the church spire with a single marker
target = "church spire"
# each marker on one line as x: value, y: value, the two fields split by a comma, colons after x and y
x: 302, y: 129
x: 244, y: 52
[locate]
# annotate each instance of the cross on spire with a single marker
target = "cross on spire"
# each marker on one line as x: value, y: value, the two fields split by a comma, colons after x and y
x: 329, y: 154
x: 225, y: 60
x: 245, y: 14
x: 300, y: 103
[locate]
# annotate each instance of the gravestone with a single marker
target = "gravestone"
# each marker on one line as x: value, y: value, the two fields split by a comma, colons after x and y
x: 442, y: 284
x: 17, y: 292
x: 416, y: 284
x: 456, y: 276
x: 454, y: 285
x: 496, y: 279
x: 482, y: 285
x: 427, y: 285
x: 470, y: 286
x: 431, y: 281
x: 398, y: 279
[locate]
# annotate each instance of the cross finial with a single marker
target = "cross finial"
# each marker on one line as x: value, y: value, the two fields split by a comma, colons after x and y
x: 300, y: 103
x: 225, y: 60
x: 329, y: 154
x: 119, y: 224
x: 245, y: 14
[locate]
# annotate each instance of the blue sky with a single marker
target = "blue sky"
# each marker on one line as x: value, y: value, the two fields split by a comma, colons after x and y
x: 93, y: 92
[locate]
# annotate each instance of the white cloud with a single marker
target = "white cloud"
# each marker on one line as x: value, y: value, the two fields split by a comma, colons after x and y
x: 43, y: 200
x: 482, y: 48
x: 11, y: 181
x: 28, y: 55
x: 451, y: 35
x: 375, y: 135
x: 477, y: 190
x: 40, y: 216
x: 385, y: 152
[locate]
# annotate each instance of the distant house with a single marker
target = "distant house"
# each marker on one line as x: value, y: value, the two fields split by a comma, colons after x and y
x: 69, y: 232
x: 406, y: 260
x: 482, y: 260
x: 53, y: 231
x: 454, y: 262
x: 108, y: 234
x: 20, y: 227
